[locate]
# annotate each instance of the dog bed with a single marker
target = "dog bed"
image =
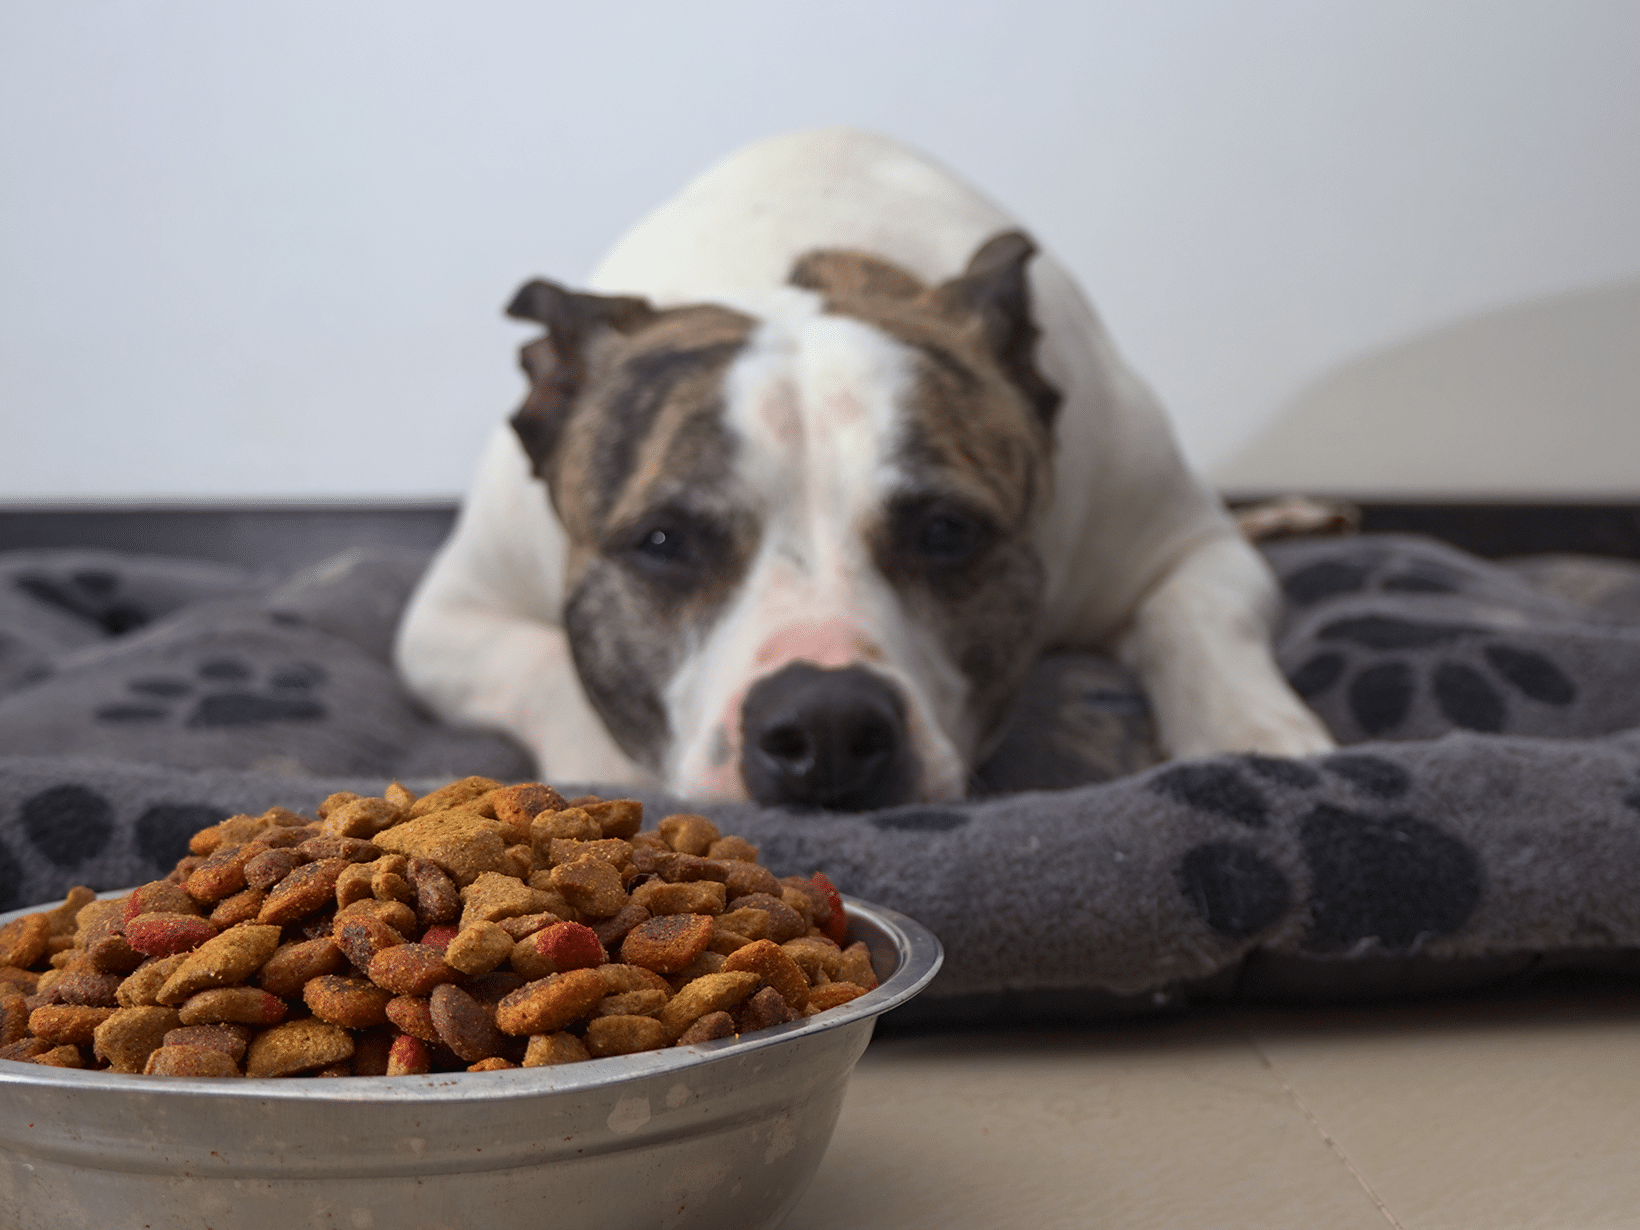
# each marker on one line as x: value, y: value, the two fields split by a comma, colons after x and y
x: 1480, y: 825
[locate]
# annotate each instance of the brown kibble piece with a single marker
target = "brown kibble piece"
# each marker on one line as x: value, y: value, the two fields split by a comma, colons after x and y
x: 711, y: 1027
x: 622, y: 979
x: 113, y: 954
x: 414, y: 1016
x: 833, y: 995
x: 690, y: 897
x: 141, y: 987
x: 616, y: 817
x: 528, y: 924
x: 464, y: 844
x: 437, y: 898
x: 625, y: 1035
x: 571, y: 824
x: 271, y: 866
x: 64, y: 918
x: 193, y: 1061
x: 160, y: 897
x: 290, y: 967
x: 24, y: 1050
x: 352, y: 1003
x: 493, y: 1064
x: 591, y: 886
x: 390, y: 881
x: 816, y: 956
x: 361, y: 818
x: 80, y: 984
x: 243, y: 906
x: 348, y: 849
x: 612, y: 850
x: 410, y: 969
x: 395, y: 914
x: 309, y: 888
x: 546, y: 1050
x: 464, y: 1026
x: 126, y: 1039
x: 454, y: 795
x: 243, y: 1005
x: 855, y: 966
x: 297, y: 1046
x: 517, y: 806
x: 633, y: 1003
x: 400, y: 797
x: 228, y: 959
x: 753, y: 924
x: 612, y: 930
x: 371, y: 1052
x: 478, y: 949
x: 747, y: 878
x: 667, y: 945
x: 710, y: 993
x: 67, y: 1024
x: 688, y: 834
x: 677, y: 868
x: 229, y: 1038
x: 23, y: 940
x: 493, y: 896
x: 362, y: 935
x: 763, y: 1010
x: 785, y: 923
x: 223, y: 873
x: 733, y: 849
x: 61, y: 1057
x: 354, y: 884
x: 549, y: 1004
x: 775, y: 967
x: 708, y: 962
x: 13, y: 1016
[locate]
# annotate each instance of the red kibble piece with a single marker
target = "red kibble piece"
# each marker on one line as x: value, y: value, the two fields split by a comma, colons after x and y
x: 835, y: 927
x: 165, y: 935
x: 571, y: 946
x: 408, y: 1057
x: 439, y: 937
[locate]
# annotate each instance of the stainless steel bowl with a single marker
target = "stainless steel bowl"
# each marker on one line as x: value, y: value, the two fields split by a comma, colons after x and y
x: 726, y: 1134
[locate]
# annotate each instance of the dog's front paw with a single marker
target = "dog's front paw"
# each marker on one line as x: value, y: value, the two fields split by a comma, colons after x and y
x: 1276, y: 731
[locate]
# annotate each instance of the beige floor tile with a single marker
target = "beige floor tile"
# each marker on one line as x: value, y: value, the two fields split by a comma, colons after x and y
x: 1520, y: 1115
x: 1178, y: 1126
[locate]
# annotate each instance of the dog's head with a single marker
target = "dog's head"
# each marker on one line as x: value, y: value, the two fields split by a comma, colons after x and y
x: 801, y: 561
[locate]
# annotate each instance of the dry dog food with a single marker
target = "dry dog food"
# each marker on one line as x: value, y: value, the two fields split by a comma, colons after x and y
x: 479, y: 927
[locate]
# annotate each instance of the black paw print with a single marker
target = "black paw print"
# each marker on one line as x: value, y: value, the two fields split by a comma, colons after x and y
x: 230, y: 700
x: 92, y: 594
x: 1389, y: 878
x: 1472, y: 694
x: 70, y: 824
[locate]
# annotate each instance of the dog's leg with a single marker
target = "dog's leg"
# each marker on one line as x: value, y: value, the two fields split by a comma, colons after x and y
x: 1200, y: 642
x: 477, y: 642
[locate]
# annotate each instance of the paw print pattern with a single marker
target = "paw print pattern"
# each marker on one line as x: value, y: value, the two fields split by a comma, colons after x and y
x: 1466, y: 670
x: 92, y: 594
x: 1377, y: 877
x: 224, y: 695
x: 1390, y: 675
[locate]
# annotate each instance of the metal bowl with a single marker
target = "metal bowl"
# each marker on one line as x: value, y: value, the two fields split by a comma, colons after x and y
x: 725, y: 1134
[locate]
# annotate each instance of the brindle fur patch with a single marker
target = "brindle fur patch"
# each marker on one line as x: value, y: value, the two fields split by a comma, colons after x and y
x: 977, y: 440
x: 644, y: 447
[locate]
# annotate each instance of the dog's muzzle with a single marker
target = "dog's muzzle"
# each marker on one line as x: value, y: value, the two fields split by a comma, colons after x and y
x: 827, y: 738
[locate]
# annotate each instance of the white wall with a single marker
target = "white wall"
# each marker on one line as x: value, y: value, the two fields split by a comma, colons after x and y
x: 259, y: 249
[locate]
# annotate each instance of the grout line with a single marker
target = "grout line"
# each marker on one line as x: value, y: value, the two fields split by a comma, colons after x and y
x: 1326, y: 1137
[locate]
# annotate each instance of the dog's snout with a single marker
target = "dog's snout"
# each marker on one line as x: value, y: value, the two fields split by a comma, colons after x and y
x: 832, y: 738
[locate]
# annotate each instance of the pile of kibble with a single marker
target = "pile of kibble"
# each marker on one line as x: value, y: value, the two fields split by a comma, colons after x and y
x: 478, y: 927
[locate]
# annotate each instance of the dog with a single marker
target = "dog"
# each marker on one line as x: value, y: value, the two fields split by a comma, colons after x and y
x: 824, y: 460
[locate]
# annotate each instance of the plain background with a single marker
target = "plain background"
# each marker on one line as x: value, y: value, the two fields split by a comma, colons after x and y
x: 259, y: 250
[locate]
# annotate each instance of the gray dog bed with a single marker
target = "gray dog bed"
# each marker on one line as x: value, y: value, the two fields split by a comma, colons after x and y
x: 1481, y: 826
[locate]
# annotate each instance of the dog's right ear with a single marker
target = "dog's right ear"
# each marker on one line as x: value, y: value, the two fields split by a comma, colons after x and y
x: 556, y: 363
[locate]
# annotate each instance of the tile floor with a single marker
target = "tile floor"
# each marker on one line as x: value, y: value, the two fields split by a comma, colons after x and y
x: 1480, y: 1115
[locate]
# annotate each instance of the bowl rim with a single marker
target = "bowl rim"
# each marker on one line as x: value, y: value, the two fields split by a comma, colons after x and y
x: 917, y: 949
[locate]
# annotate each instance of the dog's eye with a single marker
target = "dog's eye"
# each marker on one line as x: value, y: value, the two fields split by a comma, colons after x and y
x: 942, y: 536
x: 675, y: 548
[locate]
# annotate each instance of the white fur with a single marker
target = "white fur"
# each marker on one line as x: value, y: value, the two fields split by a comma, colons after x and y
x: 1140, y: 556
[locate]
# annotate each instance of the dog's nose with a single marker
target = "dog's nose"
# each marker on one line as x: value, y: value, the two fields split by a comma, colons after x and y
x: 813, y: 737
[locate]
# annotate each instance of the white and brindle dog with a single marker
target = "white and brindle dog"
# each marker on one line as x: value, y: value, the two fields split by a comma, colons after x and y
x: 799, y: 494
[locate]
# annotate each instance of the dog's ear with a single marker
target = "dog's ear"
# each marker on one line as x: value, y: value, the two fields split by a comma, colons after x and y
x: 993, y: 295
x: 844, y: 272
x: 556, y: 363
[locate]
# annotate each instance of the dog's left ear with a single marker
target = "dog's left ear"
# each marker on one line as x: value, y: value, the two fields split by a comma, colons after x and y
x: 556, y: 364
x: 993, y: 294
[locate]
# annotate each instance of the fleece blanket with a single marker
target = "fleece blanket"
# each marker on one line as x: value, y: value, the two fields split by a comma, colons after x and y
x: 1480, y: 823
